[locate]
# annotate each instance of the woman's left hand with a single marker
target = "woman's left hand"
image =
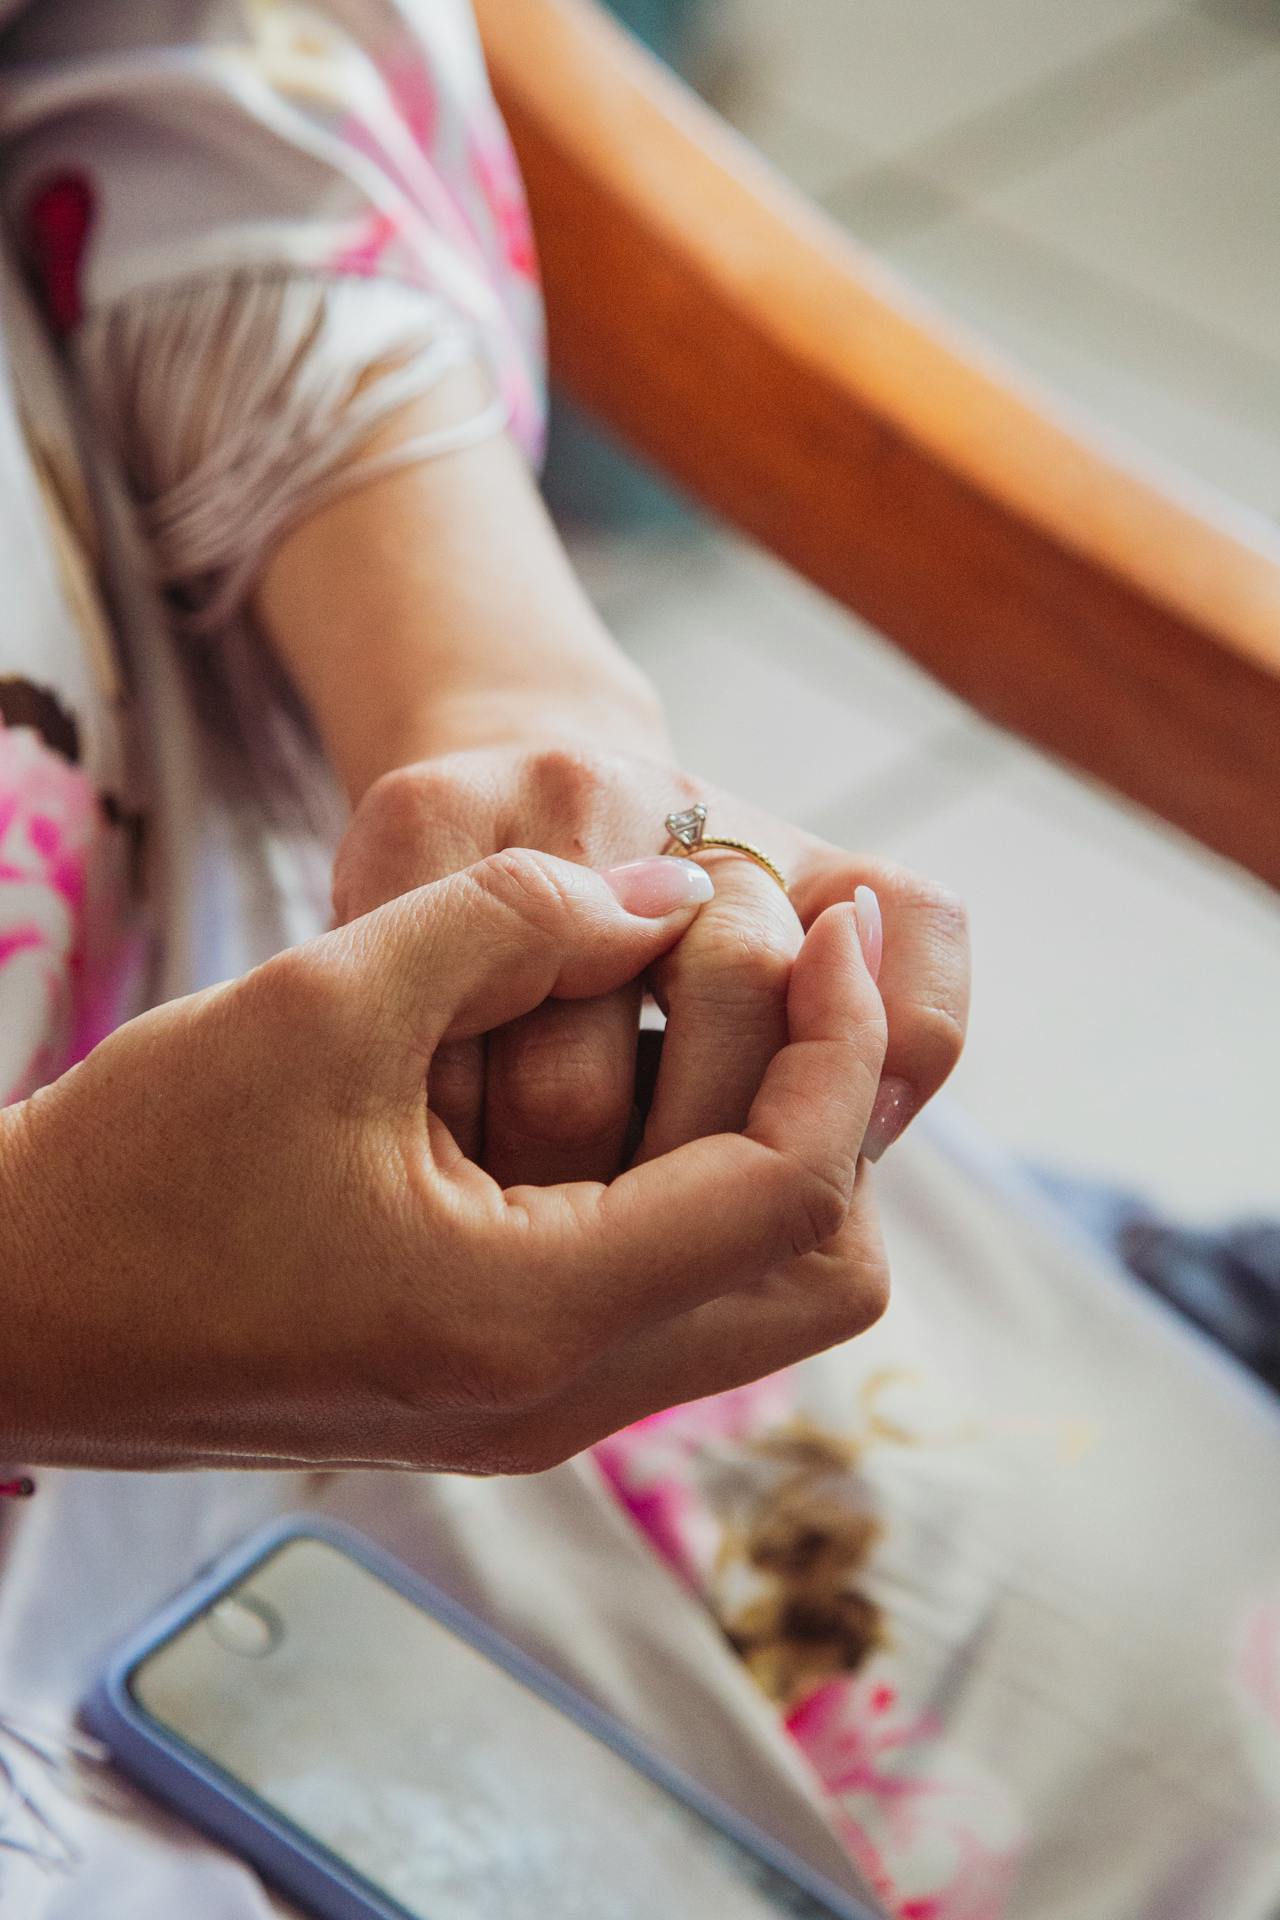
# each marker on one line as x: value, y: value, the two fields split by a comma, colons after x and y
x: 550, y: 1097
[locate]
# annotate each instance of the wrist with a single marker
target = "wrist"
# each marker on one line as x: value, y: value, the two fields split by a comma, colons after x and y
x: 617, y: 709
x: 435, y: 610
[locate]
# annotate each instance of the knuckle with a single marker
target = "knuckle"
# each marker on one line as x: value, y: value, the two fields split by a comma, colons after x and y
x: 927, y: 899
x: 568, y: 784
x: 937, y: 1005
x: 522, y: 878
x: 386, y: 847
x: 939, y: 1040
x: 530, y: 885
x: 820, y: 1197
x: 948, y: 910
x: 301, y: 990
x: 399, y: 798
x: 738, y: 957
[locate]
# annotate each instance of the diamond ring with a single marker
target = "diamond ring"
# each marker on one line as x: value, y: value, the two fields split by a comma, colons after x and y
x: 687, y: 837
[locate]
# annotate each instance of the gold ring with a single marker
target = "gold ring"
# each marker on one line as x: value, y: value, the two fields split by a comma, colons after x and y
x: 687, y: 837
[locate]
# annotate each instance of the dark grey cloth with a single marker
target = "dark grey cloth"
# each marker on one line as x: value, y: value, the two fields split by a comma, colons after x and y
x: 1226, y: 1279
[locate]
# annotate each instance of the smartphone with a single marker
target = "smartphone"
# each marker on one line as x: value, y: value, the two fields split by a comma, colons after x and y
x: 380, y: 1754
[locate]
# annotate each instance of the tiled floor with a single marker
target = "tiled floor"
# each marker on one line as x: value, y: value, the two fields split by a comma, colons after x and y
x: 1093, y: 185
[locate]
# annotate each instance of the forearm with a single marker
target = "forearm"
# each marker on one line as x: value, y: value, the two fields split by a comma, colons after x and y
x: 435, y: 610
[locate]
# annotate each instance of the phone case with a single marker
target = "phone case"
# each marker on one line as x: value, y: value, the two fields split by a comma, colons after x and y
x: 286, y: 1856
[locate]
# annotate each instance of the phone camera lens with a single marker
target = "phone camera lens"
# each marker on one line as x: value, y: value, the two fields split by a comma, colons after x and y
x: 244, y: 1625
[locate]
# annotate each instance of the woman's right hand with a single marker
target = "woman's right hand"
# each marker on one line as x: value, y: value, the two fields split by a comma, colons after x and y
x: 235, y: 1235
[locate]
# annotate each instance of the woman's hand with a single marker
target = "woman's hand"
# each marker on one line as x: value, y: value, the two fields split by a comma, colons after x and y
x: 550, y: 1096
x: 236, y: 1234
x: 470, y: 699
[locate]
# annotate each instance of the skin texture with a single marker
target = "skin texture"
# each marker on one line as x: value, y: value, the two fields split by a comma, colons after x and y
x: 491, y: 707
x: 549, y: 1097
x: 238, y: 1235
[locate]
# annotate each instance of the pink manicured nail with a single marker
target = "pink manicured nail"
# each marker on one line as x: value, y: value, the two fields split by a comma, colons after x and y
x: 866, y: 905
x: 895, y: 1104
x: 662, y: 885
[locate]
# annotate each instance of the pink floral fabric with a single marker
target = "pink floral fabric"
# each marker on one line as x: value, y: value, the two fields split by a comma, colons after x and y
x: 49, y: 824
x: 355, y: 141
x: 452, y: 161
x: 146, y: 143
x: 160, y: 146
x: 67, y: 967
x: 766, y: 1516
x: 936, y: 1834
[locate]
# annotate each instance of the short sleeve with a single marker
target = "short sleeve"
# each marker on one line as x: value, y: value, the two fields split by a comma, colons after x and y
x: 146, y: 144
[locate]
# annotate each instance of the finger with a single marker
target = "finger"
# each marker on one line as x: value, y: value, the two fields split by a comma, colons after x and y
x: 724, y: 987
x: 559, y: 1092
x: 811, y: 1304
x: 923, y: 980
x: 830, y: 1296
x: 724, y: 1212
x: 486, y: 945
x: 455, y: 1092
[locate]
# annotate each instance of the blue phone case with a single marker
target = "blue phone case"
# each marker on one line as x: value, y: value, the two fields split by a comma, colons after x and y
x: 289, y: 1858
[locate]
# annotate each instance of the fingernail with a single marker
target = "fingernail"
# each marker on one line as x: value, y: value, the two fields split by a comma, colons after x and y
x: 866, y: 905
x: 895, y: 1104
x: 662, y: 885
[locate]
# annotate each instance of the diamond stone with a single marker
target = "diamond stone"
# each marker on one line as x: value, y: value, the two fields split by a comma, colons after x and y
x: 687, y: 827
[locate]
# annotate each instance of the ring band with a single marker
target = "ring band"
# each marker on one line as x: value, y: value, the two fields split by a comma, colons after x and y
x: 748, y: 852
x: 686, y: 839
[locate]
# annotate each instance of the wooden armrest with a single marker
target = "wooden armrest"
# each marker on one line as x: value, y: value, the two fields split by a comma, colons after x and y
x: 1128, y: 621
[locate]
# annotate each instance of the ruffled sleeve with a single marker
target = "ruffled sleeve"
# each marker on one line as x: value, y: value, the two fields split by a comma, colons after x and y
x: 260, y: 226
x: 148, y: 141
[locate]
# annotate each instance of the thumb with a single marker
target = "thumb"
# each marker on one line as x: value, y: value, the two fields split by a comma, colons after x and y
x: 494, y: 941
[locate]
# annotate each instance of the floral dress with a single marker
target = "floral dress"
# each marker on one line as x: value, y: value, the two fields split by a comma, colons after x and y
x: 151, y: 150
x: 981, y: 1614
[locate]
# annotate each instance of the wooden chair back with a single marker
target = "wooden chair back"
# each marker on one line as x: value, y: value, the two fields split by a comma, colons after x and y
x: 1124, y: 618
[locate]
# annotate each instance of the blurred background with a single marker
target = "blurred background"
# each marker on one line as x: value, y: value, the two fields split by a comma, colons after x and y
x: 1093, y: 187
